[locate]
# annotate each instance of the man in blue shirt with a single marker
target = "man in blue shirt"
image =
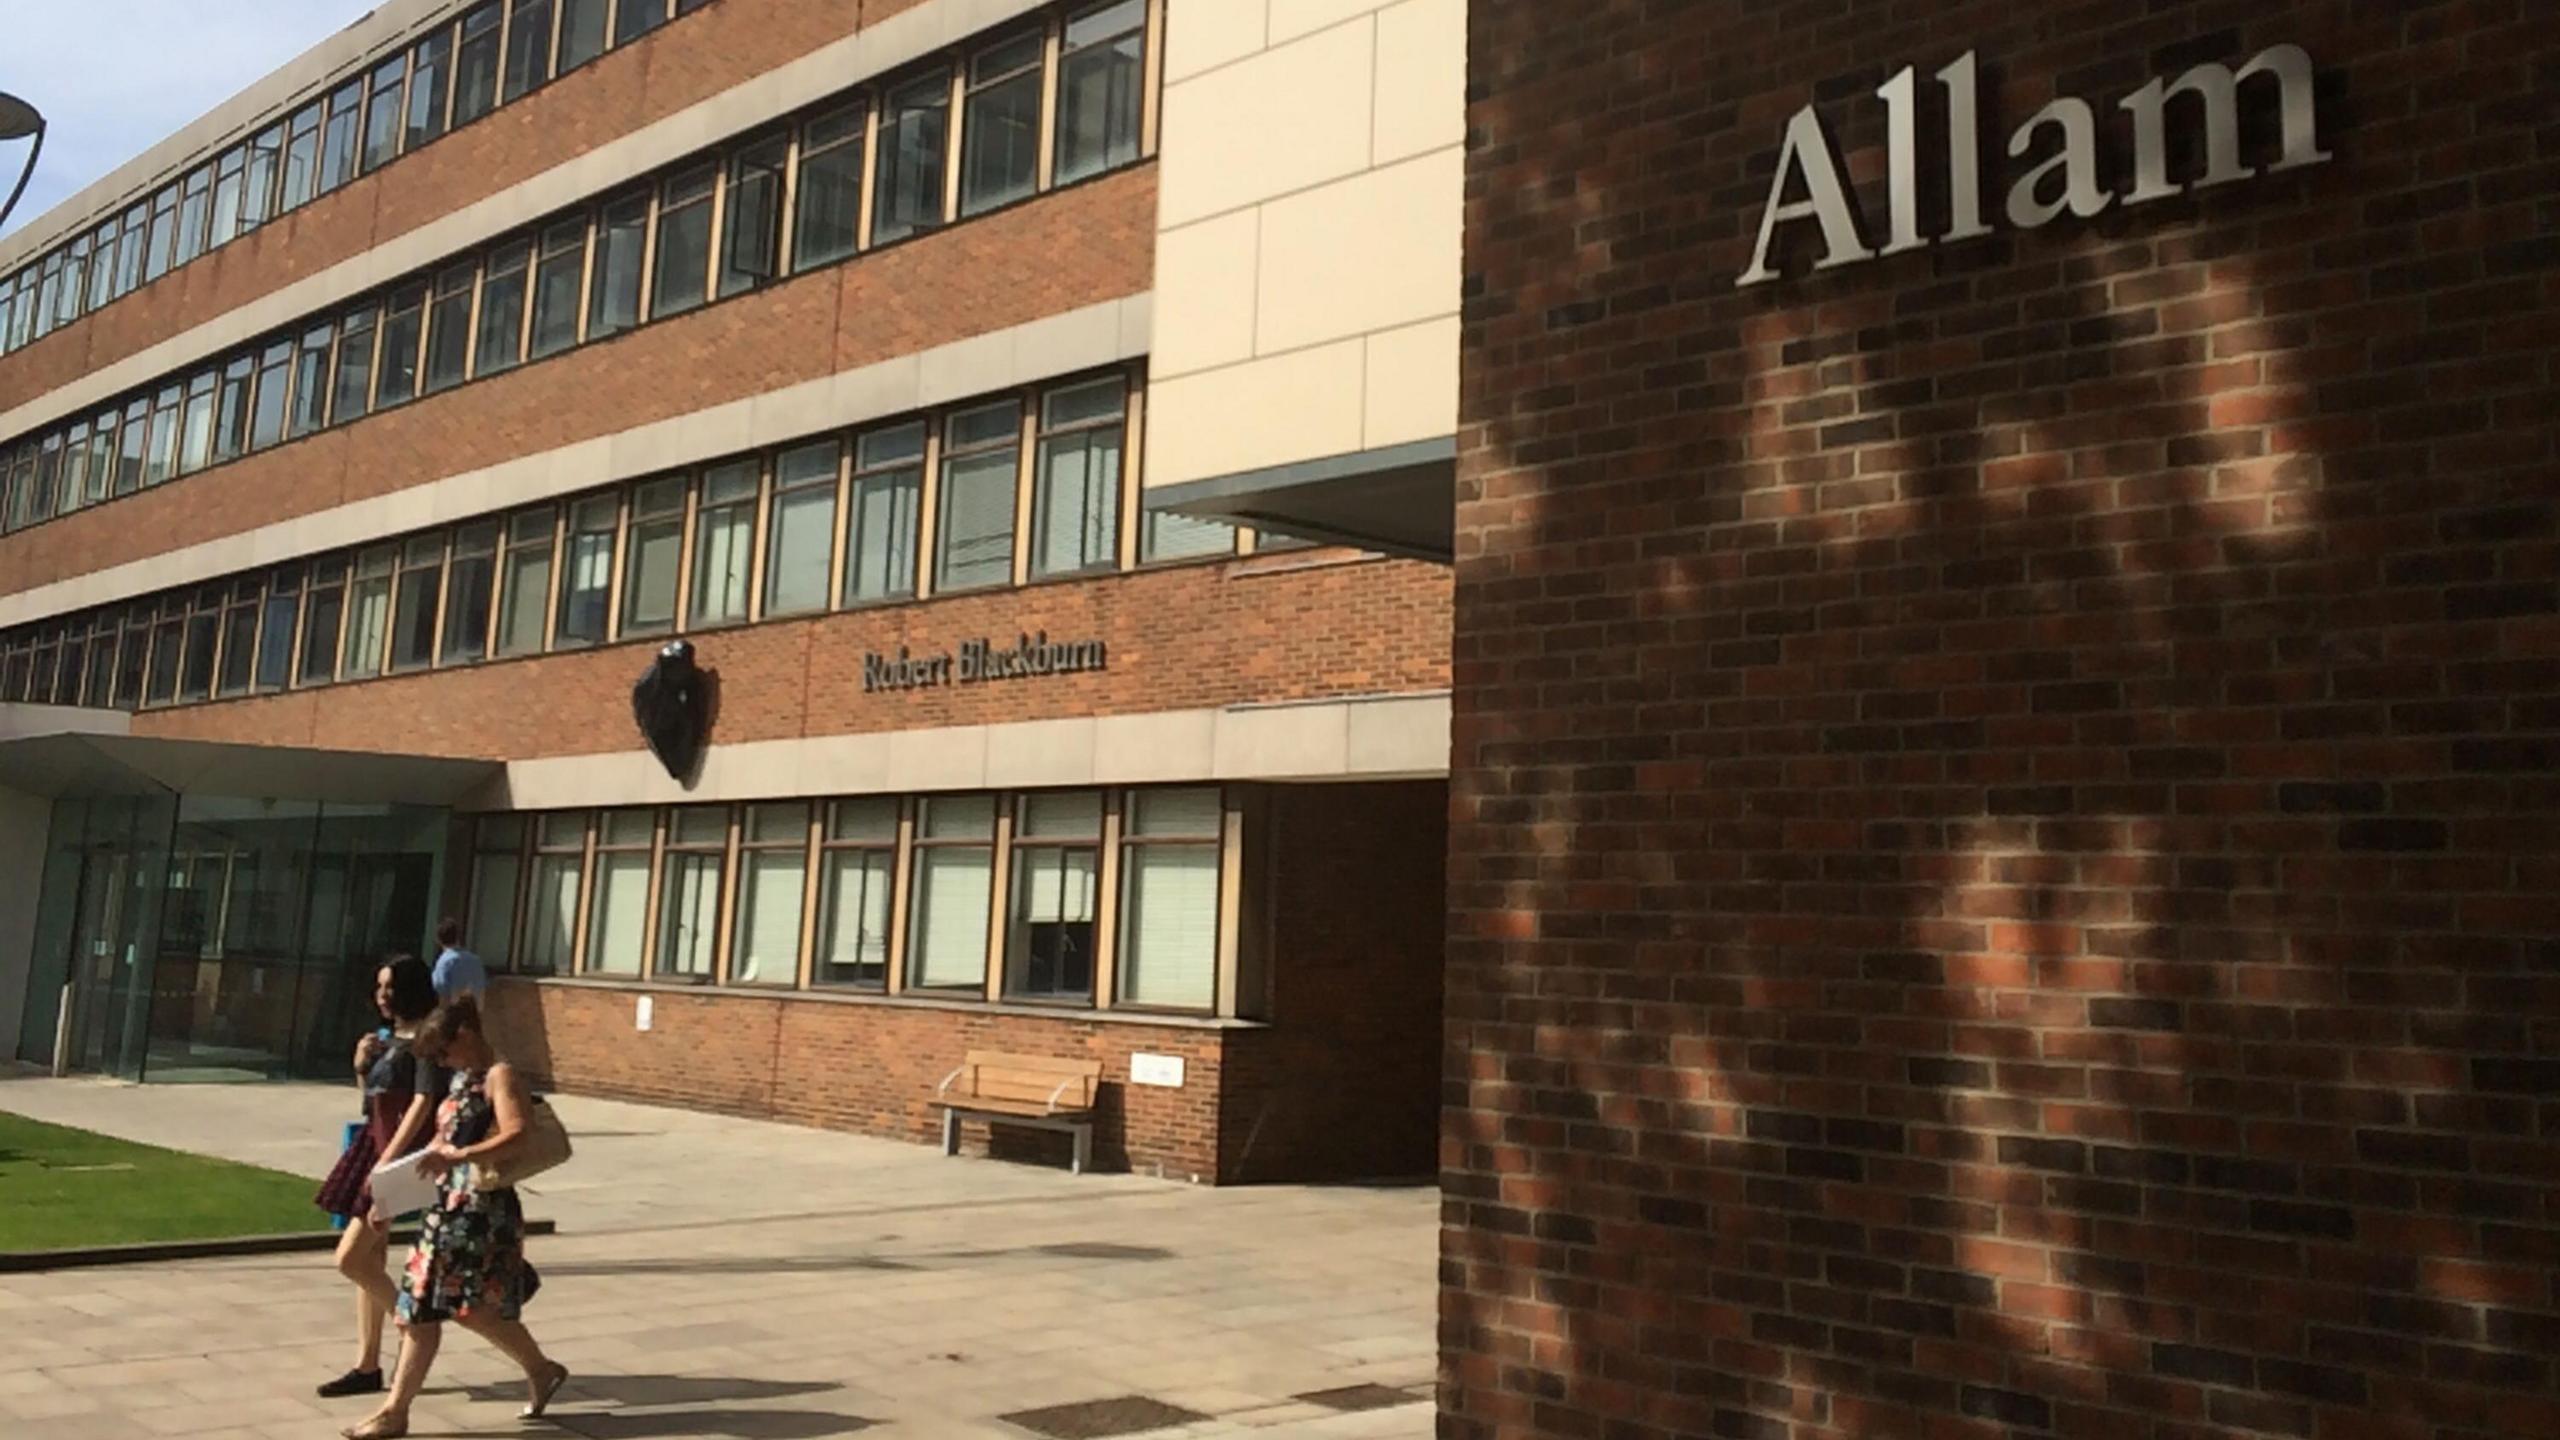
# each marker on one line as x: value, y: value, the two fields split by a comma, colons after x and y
x: 458, y: 971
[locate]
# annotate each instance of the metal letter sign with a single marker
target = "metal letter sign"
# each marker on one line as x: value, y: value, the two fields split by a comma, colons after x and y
x: 2061, y: 139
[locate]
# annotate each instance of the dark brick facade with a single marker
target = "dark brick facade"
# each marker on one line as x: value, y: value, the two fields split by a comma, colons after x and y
x: 2005, y: 850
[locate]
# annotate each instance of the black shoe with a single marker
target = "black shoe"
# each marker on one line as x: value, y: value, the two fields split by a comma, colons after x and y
x: 354, y: 1382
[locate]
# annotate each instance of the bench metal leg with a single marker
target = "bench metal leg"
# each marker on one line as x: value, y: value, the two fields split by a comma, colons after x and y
x: 1084, y: 1150
x: 950, y: 1132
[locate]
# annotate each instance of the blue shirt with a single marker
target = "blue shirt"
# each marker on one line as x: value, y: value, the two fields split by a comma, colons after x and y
x: 459, y: 972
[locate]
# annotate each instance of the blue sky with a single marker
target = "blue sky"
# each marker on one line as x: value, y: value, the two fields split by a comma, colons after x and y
x: 115, y: 76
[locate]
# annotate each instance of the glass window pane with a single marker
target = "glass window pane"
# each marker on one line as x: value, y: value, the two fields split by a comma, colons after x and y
x: 354, y: 390
x: 338, y: 137
x: 959, y: 817
x: 629, y: 827
x: 684, y: 242
x: 581, y: 32
x: 275, y: 389
x: 195, y: 436
x: 587, y: 573
x: 978, y: 490
x: 913, y: 132
x: 1000, y: 150
x: 471, y: 578
x: 1076, y: 507
x: 1049, y: 940
x: 427, y: 90
x: 527, y: 588
x: 323, y: 614
x: 231, y: 414
x: 724, y: 544
x: 803, y: 539
x: 689, y: 913
x: 311, y: 380
x: 551, y: 925
x: 771, y: 884
x: 449, y: 328
x: 528, y: 46
x: 195, y: 207
x: 880, y: 540
x: 368, y: 617
x: 555, y: 287
x: 239, y: 647
x: 635, y: 18
x: 1164, y: 535
x: 565, y: 830
x: 873, y: 818
x: 828, y: 222
x: 618, y: 929
x: 301, y: 159
x: 382, y: 113
x: 853, y: 918
x: 500, y: 343
x: 495, y: 870
x: 1193, y: 814
x: 954, y: 886
x: 751, y: 244
x: 1099, y: 92
x: 1168, y: 953
x: 651, y: 572
x: 275, y: 638
x: 475, y: 65
x: 1061, y: 815
x: 613, y: 303
x: 397, y: 380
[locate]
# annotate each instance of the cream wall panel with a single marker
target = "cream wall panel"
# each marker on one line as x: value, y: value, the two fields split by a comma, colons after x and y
x: 1280, y: 121
x: 1411, y: 384
x: 1421, y: 88
x: 1206, y: 274
x: 1299, y: 406
x: 1293, y: 18
x: 1369, y: 253
x: 1204, y: 34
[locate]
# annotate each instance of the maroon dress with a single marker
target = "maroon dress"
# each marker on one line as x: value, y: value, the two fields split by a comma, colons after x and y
x: 389, y: 1086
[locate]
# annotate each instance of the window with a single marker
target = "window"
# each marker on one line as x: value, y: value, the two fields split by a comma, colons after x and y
x: 1057, y: 854
x: 469, y: 583
x: 857, y: 867
x: 301, y: 158
x: 274, y: 395
x: 502, y: 294
x: 162, y: 460
x: 74, y: 663
x: 311, y: 379
x: 828, y: 222
x: 354, y: 395
x: 559, y: 864
x: 129, y: 254
x: 102, y: 266
x: 525, y: 594
x: 368, y: 614
x: 1000, y: 134
x: 528, y: 47
x: 282, y: 607
x: 880, y: 534
x: 195, y: 670
x: 555, y: 287
x: 258, y: 199
x: 98, y: 690
x: 47, y: 666
x: 230, y: 184
x: 102, y: 457
x: 1169, y: 860
x: 48, y: 477
x: 132, y: 657
x: 751, y: 250
x: 581, y: 33
x: 338, y: 137
x: 322, y: 613
x: 129, y: 443
x: 684, y: 241
x: 164, y: 233
x: 635, y: 18
x: 981, y: 455
x: 655, y: 564
x: 586, y: 580
x: 801, y: 542
x: 954, y: 887
x: 195, y: 207
x: 613, y: 303
x: 689, y: 891
x: 72, y: 490
x: 449, y: 328
x: 724, y: 544
x: 240, y: 638
x: 231, y: 411
x: 475, y: 65
x: 413, y: 608
x: 773, y: 878
x: 398, y: 381
x: 427, y: 97
x: 195, y: 442
x: 1075, y: 507
x: 497, y: 868
x: 618, y: 919
x: 913, y: 133
x: 382, y: 114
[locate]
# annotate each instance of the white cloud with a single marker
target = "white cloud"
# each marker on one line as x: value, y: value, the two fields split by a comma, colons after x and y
x: 114, y: 77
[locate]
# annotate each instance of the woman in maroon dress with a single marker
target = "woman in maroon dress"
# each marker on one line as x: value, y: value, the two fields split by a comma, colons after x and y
x: 400, y: 1093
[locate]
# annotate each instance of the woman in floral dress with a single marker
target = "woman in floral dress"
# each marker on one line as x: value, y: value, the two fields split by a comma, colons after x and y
x: 468, y: 1265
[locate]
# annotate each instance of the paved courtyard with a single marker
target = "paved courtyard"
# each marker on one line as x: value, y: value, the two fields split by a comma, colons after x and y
x: 724, y: 1278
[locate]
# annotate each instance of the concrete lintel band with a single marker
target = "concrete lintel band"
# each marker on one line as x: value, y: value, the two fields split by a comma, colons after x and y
x: 1104, y: 334
x: 872, y: 51
x: 1399, y: 737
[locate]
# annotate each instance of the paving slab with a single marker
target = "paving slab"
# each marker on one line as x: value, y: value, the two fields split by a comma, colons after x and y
x: 736, y: 1280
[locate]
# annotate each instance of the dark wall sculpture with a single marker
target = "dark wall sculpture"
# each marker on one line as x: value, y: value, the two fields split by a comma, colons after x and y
x: 672, y: 707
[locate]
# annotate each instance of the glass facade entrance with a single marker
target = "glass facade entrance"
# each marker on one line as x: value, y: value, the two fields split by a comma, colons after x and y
x: 210, y: 939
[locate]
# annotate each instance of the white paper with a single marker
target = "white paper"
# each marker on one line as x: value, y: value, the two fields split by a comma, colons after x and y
x: 1161, y: 1070
x: 399, y: 1186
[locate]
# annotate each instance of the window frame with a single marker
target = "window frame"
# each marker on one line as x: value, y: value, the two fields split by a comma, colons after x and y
x: 1019, y: 895
x: 675, y: 845
x: 833, y: 841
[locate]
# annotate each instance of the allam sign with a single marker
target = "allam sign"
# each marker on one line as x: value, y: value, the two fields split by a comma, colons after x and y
x: 2057, y: 147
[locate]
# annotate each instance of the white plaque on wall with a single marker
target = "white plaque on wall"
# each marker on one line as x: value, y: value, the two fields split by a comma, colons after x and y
x: 1163, y: 1070
x: 642, y: 1013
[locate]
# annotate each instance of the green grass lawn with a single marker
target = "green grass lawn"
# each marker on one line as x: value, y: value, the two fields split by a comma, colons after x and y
x: 63, y: 1188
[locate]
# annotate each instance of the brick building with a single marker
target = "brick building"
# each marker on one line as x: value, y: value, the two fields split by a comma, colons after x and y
x: 363, y: 445
x: 2005, y: 850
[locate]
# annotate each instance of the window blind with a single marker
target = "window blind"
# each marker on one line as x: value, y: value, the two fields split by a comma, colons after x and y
x: 1169, y: 936
x: 769, y: 919
x: 953, y: 890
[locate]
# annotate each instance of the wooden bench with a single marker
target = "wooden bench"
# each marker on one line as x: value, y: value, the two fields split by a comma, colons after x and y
x: 1034, y: 1090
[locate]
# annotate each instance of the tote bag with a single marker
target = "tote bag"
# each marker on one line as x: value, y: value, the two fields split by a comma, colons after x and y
x: 543, y: 1146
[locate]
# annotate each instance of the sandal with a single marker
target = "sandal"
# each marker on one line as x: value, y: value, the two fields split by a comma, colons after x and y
x: 542, y: 1392
x: 377, y: 1428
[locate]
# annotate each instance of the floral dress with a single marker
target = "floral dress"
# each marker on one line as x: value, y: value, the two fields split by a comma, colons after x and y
x: 469, y: 1259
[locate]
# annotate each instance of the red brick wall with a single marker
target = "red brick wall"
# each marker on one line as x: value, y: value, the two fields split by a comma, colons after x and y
x: 1346, y: 1082
x: 1077, y: 247
x: 2005, y: 854
x: 701, y: 56
x: 1191, y: 636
